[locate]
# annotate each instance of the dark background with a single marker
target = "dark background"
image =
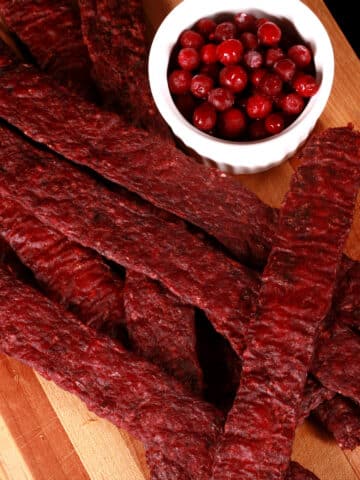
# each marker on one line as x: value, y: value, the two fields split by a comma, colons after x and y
x: 346, y: 17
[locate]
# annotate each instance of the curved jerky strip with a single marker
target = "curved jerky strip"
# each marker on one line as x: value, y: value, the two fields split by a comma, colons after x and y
x: 298, y: 284
x: 348, y: 307
x: 115, y: 384
x: 143, y: 163
x: 297, y: 472
x: 131, y: 232
x: 51, y: 30
x: 76, y: 276
x: 342, y: 418
x: 337, y: 360
x: 314, y: 395
x: 114, y: 32
x: 162, y: 329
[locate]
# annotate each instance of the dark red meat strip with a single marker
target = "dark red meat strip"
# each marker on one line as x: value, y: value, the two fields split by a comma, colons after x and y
x: 130, y: 232
x: 114, y: 32
x: 114, y: 383
x: 51, y: 30
x: 348, y: 307
x: 342, y: 418
x: 77, y: 277
x: 297, y: 472
x: 143, y: 163
x: 337, y: 360
x: 296, y: 294
x: 314, y: 395
x: 162, y: 329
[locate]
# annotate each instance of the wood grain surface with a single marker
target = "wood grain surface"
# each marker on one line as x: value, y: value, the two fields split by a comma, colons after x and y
x: 48, y: 434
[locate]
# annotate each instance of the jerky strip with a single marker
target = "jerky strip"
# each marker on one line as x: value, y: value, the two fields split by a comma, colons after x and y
x: 297, y: 472
x: 161, y: 329
x: 337, y: 361
x: 114, y: 383
x: 314, y: 395
x: 342, y: 418
x: 114, y: 32
x: 52, y: 32
x: 75, y: 276
x: 143, y: 163
x: 348, y: 307
x: 131, y: 232
x: 298, y: 283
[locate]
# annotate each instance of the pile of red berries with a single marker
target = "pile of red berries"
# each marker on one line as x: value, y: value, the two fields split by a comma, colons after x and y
x: 240, y: 79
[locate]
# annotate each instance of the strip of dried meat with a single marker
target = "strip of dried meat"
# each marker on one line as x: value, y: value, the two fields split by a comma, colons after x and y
x: 297, y: 472
x: 162, y: 329
x: 314, y: 395
x: 114, y: 32
x: 75, y: 276
x: 348, y: 307
x: 131, y: 232
x: 342, y: 418
x: 115, y: 384
x: 51, y: 30
x: 141, y: 162
x: 337, y: 360
x: 295, y: 296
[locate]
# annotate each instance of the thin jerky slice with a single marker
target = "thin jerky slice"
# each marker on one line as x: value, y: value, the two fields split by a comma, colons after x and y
x: 342, y: 418
x: 51, y: 30
x: 348, y: 307
x: 337, y: 360
x: 297, y: 472
x: 295, y: 296
x: 74, y: 275
x: 114, y: 32
x: 115, y: 384
x: 314, y: 395
x: 142, y: 162
x: 162, y: 329
x: 131, y: 232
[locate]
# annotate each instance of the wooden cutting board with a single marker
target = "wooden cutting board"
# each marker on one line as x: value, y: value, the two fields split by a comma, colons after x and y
x: 48, y: 434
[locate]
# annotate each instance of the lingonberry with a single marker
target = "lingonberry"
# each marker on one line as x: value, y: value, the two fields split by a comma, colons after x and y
x: 179, y: 82
x: 229, y: 52
x: 204, y: 117
x: 232, y: 123
x: 258, y: 106
x: 221, y: 98
x: 234, y: 77
x: 201, y: 85
x: 300, y: 55
x: 188, y: 58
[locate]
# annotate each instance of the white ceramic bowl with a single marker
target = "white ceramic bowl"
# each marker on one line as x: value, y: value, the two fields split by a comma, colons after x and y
x: 241, y: 157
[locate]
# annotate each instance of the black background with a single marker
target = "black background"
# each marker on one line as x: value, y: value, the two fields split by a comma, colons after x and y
x: 346, y: 17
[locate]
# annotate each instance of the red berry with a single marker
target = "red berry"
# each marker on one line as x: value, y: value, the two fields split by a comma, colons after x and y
x: 186, y: 105
x: 274, y: 123
x: 257, y: 75
x: 201, y: 85
x: 221, y: 98
x: 234, y: 77
x: 245, y: 22
x: 179, y: 82
x: 249, y: 40
x: 300, y: 54
x: 257, y: 130
x: 253, y: 59
x: 188, y: 58
x: 212, y: 70
x: 305, y: 85
x: 208, y: 53
x: 225, y: 31
x: 273, y: 55
x: 204, y: 117
x: 205, y: 26
x: 285, y: 68
x: 269, y: 33
x: 229, y: 51
x: 232, y: 123
x: 191, y: 39
x: 292, y: 103
x: 258, y: 106
x: 271, y: 84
